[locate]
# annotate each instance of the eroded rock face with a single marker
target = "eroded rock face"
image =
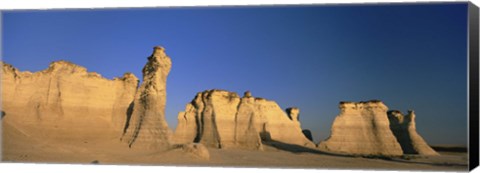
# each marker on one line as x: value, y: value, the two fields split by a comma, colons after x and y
x: 362, y: 128
x: 147, y: 128
x: 404, y: 129
x: 66, y: 102
x: 222, y: 119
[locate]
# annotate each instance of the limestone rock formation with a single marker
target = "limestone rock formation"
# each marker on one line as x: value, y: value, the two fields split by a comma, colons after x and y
x: 362, y: 128
x: 147, y: 128
x: 66, y: 102
x: 404, y: 128
x: 222, y: 119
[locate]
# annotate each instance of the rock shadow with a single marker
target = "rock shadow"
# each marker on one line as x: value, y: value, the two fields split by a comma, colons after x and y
x: 308, y: 134
x: 3, y: 114
x: 265, y: 136
x: 450, y: 149
x: 129, y: 115
x: 400, y: 132
x: 297, y: 149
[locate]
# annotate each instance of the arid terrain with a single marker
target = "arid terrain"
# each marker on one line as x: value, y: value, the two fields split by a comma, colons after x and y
x: 19, y: 148
x: 65, y: 114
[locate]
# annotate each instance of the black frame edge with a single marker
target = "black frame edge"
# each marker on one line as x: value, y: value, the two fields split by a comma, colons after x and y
x: 473, y: 37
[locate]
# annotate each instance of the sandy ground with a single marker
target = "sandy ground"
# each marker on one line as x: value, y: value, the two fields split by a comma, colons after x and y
x: 17, y: 146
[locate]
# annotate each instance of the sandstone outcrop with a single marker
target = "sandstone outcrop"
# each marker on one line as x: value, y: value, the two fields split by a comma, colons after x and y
x: 147, y: 128
x: 66, y: 102
x: 404, y: 129
x: 222, y: 119
x: 362, y: 128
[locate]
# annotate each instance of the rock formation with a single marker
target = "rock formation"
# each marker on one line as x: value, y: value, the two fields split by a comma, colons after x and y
x: 362, y: 128
x: 147, y: 128
x: 66, y: 102
x: 404, y: 129
x: 222, y: 119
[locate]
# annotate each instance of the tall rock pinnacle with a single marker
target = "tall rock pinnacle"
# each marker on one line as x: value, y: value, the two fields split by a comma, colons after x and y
x: 147, y: 127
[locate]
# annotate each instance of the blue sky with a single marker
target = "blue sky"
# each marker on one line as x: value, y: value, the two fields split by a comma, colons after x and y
x: 312, y: 57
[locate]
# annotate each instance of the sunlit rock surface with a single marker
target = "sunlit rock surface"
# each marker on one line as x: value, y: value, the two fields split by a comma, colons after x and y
x: 362, y: 128
x: 222, y: 119
x: 147, y: 128
x: 65, y: 102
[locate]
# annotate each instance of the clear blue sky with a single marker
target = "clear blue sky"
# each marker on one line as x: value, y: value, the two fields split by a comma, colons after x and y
x: 312, y: 57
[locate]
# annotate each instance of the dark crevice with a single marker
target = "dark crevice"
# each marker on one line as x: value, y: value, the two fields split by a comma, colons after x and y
x: 400, y: 132
x: 236, y: 120
x: 199, y: 120
x: 129, y: 116
x: 216, y: 135
x: 308, y: 134
x: 140, y: 121
x: 264, y: 134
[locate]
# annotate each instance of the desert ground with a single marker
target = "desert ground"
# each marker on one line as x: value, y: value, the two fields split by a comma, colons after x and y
x: 18, y: 147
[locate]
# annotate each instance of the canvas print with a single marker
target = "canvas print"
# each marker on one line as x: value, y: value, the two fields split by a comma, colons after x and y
x: 357, y: 86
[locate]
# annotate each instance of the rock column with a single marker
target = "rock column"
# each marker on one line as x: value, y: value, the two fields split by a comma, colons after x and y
x: 148, y: 128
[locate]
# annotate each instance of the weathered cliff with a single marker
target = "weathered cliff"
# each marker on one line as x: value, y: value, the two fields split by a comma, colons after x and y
x: 147, y: 128
x: 66, y: 102
x: 222, y: 119
x: 404, y: 129
x: 362, y: 128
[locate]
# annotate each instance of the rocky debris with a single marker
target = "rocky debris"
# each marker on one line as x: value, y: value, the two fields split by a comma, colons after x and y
x: 221, y: 119
x: 362, y: 128
x: 196, y: 149
x: 66, y: 101
x: 147, y: 128
x: 404, y: 129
